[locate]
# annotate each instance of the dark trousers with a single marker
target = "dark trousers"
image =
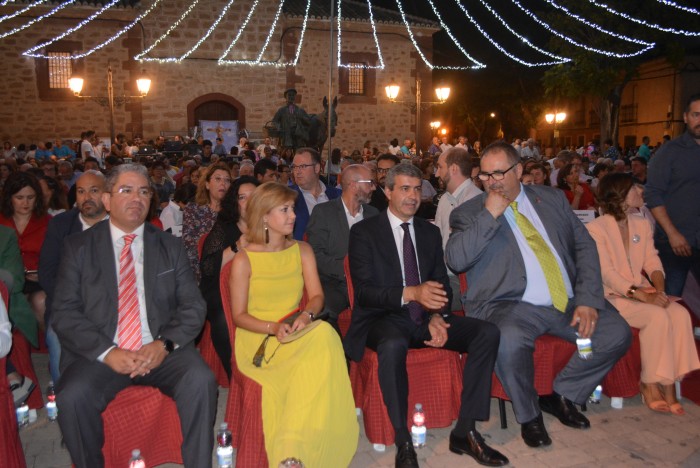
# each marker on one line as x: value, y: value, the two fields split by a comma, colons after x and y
x: 86, y: 388
x: 522, y: 323
x: 395, y: 334
x: 677, y: 268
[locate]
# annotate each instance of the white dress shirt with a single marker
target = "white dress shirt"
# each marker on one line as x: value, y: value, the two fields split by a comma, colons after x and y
x: 448, y: 202
x: 312, y: 201
x: 352, y: 220
x: 398, y: 232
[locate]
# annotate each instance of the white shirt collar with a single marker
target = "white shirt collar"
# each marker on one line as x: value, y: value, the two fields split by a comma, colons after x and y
x: 396, y: 222
x: 117, y: 233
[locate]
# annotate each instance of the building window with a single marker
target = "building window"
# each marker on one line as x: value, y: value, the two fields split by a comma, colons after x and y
x: 357, y: 81
x: 356, y: 78
x: 60, y: 69
x: 52, y: 74
x: 628, y: 113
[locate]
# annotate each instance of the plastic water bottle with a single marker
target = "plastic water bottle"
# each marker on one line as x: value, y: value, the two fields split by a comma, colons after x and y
x: 595, y: 396
x: 585, y: 348
x: 51, y: 408
x: 136, y: 459
x: 418, y: 430
x: 23, y: 415
x: 224, y: 449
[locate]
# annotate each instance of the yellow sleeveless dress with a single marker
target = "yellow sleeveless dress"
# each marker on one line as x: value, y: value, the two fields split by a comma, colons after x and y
x: 308, y: 411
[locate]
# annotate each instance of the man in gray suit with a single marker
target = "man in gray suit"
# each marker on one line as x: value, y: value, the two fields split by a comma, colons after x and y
x: 532, y: 268
x: 126, y: 311
x: 328, y: 233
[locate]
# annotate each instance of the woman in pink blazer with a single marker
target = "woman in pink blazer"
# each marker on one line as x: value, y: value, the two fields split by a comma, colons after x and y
x: 627, y: 258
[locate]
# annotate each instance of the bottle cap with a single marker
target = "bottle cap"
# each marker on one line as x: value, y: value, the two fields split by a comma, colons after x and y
x: 136, y: 453
x: 419, y: 407
x: 224, y: 426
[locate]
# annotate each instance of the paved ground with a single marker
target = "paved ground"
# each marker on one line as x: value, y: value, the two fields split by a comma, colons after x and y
x: 630, y: 437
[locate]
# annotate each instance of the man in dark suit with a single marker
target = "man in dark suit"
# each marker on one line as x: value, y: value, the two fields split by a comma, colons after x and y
x: 532, y: 268
x: 127, y: 310
x: 384, y: 163
x: 306, y: 168
x: 328, y: 234
x: 401, y: 295
x: 89, y: 211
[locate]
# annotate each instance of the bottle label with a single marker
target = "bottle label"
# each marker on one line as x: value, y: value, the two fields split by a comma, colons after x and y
x: 138, y: 463
x: 51, y: 410
x: 418, y: 418
x: 418, y: 434
x: 224, y: 456
x: 23, y: 415
x: 585, y: 348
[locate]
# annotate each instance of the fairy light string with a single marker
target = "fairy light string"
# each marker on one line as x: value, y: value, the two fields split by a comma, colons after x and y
x: 35, y: 20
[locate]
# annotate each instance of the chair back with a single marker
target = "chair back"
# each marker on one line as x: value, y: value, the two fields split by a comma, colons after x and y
x: 348, y: 280
x: 200, y: 245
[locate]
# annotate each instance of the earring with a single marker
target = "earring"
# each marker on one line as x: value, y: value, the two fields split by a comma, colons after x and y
x: 267, y: 232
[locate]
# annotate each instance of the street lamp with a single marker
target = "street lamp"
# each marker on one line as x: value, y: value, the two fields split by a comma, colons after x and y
x: 442, y: 92
x: 143, y: 84
x: 434, y: 126
x: 555, y: 119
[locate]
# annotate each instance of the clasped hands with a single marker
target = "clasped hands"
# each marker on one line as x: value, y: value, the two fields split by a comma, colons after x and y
x: 432, y: 296
x: 282, y: 329
x: 136, y: 363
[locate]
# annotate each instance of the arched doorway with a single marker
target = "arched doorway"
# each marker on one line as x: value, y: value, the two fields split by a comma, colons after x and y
x: 215, y: 106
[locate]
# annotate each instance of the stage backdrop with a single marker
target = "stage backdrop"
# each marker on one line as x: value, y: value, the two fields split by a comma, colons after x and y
x: 227, y: 130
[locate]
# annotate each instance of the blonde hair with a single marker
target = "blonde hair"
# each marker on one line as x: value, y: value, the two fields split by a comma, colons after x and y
x: 202, y: 197
x: 265, y: 197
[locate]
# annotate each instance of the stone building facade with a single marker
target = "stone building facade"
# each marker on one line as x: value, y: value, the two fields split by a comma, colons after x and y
x: 198, y: 86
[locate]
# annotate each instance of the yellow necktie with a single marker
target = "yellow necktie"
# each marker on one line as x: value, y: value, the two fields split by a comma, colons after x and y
x: 550, y: 267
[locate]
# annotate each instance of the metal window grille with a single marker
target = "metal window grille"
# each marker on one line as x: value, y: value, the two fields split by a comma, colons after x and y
x: 60, y: 69
x: 628, y: 113
x: 356, y: 78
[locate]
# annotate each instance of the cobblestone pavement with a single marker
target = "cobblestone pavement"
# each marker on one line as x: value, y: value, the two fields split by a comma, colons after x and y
x: 630, y: 437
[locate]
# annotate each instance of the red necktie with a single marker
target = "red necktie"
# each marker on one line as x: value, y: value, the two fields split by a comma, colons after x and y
x: 129, y: 318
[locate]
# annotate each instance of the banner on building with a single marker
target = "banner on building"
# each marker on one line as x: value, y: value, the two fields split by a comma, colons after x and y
x: 227, y: 130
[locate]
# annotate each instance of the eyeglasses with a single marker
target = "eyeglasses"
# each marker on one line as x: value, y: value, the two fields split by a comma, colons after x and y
x: 301, y: 167
x: 142, y: 192
x: 496, y: 175
x: 371, y: 182
x: 381, y: 170
x: 225, y: 180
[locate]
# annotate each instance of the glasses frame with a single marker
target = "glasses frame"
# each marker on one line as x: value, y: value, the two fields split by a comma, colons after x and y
x: 495, y: 175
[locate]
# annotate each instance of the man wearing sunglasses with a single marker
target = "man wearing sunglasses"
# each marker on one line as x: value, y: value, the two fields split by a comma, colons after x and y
x: 532, y: 268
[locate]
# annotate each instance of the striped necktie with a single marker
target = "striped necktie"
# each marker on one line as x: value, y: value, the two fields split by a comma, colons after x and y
x: 129, y: 328
x: 550, y: 267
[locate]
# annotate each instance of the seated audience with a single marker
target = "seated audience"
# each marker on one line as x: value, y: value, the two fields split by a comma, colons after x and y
x: 579, y: 195
x: 171, y: 215
x: 200, y: 215
x: 627, y: 258
x: 539, y: 172
x: 219, y: 248
x: 308, y: 410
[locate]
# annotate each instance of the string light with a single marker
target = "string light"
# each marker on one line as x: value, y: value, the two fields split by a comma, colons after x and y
x: 5, y: 2
x: 642, y: 22
x: 272, y: 30
x: 454, y: 39
x: 19, y: 12
x: 680, y: 7
x: 240, y: 32
x: 374, y: 34
x: 525, y: 40
x: 420, y: 52
x: 566, y: 11
x: 558, y: 60
x: 209, y: 31
x: 166, y: 34
x: 303, y: 32
x: 572, y: 41
x: 34, y: 20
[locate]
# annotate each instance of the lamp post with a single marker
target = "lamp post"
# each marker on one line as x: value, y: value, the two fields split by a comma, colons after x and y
x: 143, y: 84
x: 554, y: 119
x: 442, y: 92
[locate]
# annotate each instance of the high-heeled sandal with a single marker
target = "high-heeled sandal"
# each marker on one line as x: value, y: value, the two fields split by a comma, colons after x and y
x: 659, y: 404
x: 669, y: 394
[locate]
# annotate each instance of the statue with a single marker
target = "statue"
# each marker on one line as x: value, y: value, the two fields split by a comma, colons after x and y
x: 318, y: 128
x: 292, y: 123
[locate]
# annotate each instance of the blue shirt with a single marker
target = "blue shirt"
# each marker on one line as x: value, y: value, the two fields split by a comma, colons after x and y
x: 63, y: 152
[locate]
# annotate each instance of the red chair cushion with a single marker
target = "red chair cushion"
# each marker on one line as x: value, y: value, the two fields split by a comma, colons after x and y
x: 144, y: 418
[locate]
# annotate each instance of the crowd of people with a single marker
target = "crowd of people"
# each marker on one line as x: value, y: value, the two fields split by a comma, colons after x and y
x: 284, y: 220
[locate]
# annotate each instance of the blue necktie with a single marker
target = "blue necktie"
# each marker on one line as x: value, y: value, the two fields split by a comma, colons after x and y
x: 410, y: 271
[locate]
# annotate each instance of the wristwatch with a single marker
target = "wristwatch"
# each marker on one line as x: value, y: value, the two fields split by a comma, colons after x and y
x: 168, y: 345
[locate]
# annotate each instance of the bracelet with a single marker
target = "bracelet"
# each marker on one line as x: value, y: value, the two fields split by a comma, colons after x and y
x: 268, y: 328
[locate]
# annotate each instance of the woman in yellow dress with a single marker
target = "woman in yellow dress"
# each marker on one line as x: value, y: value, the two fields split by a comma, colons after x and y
x: 308, y: 410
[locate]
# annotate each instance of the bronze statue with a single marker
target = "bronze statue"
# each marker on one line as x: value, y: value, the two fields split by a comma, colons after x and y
x: 292, y: 123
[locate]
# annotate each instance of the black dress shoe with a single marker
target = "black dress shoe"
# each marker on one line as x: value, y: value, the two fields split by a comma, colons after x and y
x: 474, y: 446
x: 534, y: 433
x: 564, y: 410
x: 406, y: 456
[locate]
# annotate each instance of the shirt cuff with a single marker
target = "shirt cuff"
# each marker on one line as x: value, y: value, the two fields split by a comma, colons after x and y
x: 102, y: 356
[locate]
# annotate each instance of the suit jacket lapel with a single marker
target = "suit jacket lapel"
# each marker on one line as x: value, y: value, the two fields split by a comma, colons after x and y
x: 393, y: 255
x: 342, y: 221
x: 108, y: 266
x: 425, y: 263
x: 150, y: 264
